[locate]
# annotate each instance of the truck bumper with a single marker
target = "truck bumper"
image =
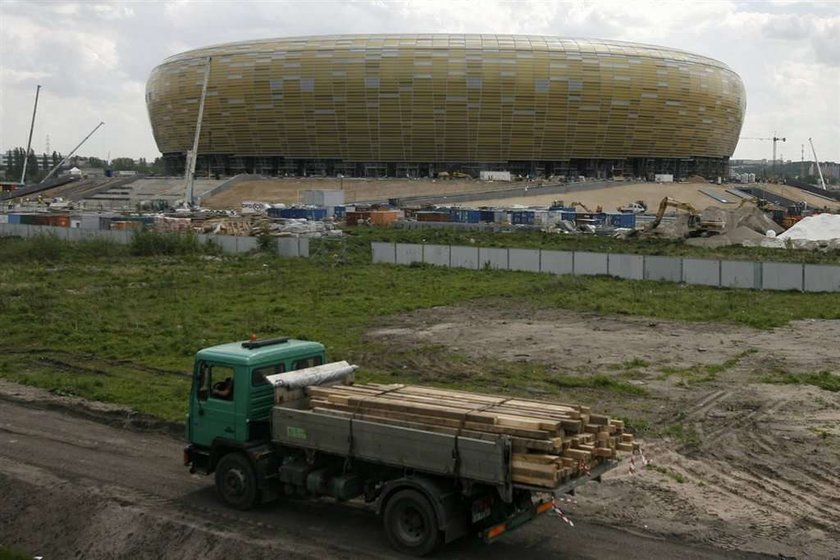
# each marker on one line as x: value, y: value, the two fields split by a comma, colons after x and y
x: 196, y: 459
x: 516, y: 520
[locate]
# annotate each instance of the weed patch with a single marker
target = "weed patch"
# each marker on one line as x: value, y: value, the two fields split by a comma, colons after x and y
x: 822, y: 379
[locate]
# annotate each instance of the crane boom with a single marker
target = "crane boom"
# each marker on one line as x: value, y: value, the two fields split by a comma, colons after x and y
x: 817, y: 161
x: 29, y: 142
x: 68, y: 156
x: 193, y: 155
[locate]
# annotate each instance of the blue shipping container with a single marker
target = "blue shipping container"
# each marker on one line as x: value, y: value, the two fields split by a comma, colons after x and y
x: 14, y: 218
x: 339, y: 212
x: 522, y: 217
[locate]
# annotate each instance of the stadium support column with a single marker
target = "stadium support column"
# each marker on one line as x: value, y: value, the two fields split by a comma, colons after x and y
x: 192, y: 156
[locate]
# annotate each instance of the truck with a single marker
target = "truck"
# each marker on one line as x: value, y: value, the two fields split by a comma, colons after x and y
x: 251, y: 425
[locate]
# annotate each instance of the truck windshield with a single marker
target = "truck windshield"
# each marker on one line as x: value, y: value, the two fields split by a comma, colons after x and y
x: 304, y: 363
x: 258, y: 375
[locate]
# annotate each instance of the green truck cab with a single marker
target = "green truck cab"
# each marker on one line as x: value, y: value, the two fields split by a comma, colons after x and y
x: 231, y: 399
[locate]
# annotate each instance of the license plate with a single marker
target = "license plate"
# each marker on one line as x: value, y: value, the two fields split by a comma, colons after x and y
x: 481, y: 509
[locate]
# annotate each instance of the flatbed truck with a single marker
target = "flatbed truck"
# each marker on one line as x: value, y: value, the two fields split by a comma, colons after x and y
x: 429, y: 488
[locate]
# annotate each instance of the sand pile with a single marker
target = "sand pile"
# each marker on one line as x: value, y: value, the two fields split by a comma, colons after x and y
x: 822, y: 227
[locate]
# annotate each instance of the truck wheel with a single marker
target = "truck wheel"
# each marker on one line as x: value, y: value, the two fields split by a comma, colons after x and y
x: 236, y: 482
x: 411, y: 524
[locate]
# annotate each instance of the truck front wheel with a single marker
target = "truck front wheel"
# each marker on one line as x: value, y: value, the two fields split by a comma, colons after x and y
x: 411, y: 523
x: 236, y: 482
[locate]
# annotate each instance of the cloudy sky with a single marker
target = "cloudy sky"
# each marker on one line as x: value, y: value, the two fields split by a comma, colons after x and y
x: 93, y: 58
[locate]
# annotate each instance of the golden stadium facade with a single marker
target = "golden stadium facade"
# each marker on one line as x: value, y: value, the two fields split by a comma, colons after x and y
x: 397, y: 105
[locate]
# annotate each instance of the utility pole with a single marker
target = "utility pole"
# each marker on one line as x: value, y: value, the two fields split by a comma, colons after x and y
x: 802, y: 164
x: 192, y: 155
x: 29, y: 142
x: 776, y: 139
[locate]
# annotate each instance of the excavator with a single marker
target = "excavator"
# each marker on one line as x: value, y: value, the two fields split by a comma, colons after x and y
x: 560, y: 204
x: 694, y: 219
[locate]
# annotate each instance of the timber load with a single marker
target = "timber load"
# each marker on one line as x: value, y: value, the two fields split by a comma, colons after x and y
x: 552, y: 442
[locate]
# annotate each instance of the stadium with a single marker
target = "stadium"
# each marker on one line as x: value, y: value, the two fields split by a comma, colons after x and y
x: 418, y: 105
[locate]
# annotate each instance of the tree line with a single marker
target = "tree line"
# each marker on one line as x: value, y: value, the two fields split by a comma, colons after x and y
x: 37, y: 166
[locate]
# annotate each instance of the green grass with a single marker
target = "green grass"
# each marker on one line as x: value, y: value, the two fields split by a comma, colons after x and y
x: 94, y: 320
x: 673, y: 475
x: 13, y: 554
x: 682, y: 434
x: 822, y: 379
x: 700, y: 373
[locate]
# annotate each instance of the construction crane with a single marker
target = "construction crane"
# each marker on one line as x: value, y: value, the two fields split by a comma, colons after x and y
x: 192, y: 155
x: 29, y: 143
x: 774, y: 139
x: 817, y: 161
x: 68, y: 156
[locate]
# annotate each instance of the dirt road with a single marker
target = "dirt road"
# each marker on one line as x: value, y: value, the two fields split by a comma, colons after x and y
x: 73, y: 487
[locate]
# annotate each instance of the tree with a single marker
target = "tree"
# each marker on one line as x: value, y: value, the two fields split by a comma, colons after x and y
x: 123, y: 164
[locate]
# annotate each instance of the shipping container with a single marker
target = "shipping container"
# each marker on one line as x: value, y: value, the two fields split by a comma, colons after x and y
x: 339, y: 212
x: 622, y: 220
x: 432, y: 216
x: 384, y: 217
x: 522, y: 217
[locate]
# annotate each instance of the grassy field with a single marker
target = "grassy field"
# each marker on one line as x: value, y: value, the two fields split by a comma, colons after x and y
x: 120, y: 324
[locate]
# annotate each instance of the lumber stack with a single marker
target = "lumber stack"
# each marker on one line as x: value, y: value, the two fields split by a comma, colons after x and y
x: 552, y: 442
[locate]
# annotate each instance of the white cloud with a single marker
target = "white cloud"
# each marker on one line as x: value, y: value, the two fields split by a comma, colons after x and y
x: 93, y: 58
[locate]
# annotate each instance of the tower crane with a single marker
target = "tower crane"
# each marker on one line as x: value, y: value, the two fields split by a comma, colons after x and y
x: 775, y: 139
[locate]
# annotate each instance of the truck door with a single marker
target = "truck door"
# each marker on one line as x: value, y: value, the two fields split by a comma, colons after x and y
x: 215, y: 404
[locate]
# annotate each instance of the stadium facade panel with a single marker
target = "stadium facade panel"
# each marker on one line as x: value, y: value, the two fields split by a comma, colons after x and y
x: 388, y: 104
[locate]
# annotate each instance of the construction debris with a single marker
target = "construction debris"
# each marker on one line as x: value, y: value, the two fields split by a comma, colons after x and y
x: 552, y: 442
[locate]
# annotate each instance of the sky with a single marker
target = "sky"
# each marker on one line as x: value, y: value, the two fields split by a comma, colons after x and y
x: 92, y: 59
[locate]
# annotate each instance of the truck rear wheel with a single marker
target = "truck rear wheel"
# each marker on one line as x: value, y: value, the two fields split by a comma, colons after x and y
x: 411, y: 523
x: 236, y: 482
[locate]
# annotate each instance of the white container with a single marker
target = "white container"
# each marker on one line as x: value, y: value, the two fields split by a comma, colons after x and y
x: 663, y: 178
x: 494, y: 175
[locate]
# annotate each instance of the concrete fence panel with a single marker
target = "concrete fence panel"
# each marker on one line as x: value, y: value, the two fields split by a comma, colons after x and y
x: 493, y: 257
x: 245, y: 244
x: 557, y: 262
x: 663, y: 269
x: 590, y: 264
x: 629, y: 267
x: 227, y: 243
x: 409, y: 253
x: 288, y: 247
x: 821, y: 278
x: 303, y: 246
x: 701, y: 272
x: 437, y: 255
x: 740, y: 274
x: 781, y: 276
x: 464, y: 257
x: 526, y: 260
x: 383, y: 252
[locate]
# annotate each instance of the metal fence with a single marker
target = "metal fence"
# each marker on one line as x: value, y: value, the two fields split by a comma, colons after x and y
x: 286, y: 246
x: 704, y: 272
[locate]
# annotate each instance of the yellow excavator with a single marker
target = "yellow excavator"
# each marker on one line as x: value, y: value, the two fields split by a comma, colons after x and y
x: 694, y: 219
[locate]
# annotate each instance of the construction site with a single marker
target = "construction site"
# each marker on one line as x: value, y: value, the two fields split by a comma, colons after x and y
x: 620, y: 339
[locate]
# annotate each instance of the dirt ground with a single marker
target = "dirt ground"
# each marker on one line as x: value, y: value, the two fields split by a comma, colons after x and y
x: 735, y: 462
x: 290, y: 191
x: 610, y: 198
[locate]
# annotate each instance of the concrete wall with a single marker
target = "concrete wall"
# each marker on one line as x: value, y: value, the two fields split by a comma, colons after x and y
x: 286, y: 247
x: 701, y: 272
